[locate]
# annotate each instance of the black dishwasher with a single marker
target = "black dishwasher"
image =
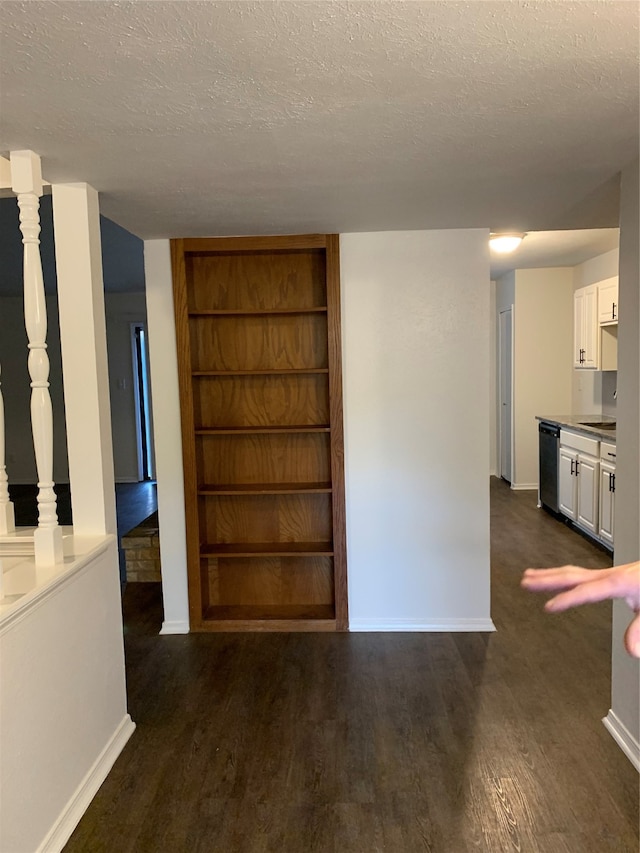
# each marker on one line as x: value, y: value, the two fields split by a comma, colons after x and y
x: 549, y: 435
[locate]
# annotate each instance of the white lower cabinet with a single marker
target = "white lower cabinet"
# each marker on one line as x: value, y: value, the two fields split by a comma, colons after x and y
x: 579, y: 480
x: 568, y: 483
x: 607, y: 501
x: 607, y: 492
x: 587, y: 476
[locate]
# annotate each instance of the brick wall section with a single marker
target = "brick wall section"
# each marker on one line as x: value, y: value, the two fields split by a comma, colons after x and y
x: 142, y: 554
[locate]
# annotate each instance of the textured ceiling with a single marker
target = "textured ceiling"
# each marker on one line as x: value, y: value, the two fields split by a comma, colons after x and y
x: 282, y: 117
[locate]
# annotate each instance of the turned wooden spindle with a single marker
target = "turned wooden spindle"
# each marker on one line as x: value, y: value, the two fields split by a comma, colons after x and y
x: 7, y: 518
x: 27, y: 184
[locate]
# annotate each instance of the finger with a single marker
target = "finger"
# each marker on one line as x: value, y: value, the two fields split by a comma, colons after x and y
x: 561, y: 578
x: 584, y: 593
x: 632, y: 637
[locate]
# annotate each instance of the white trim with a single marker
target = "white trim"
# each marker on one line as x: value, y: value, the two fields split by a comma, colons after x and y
x: 433, y: 625
x: 524, y: 487
x: 70, y: 816
x: 623, y: 737
x: 175, y: 626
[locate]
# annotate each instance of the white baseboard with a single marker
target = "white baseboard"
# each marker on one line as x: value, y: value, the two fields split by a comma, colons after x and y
x: 433, y: 625
x: 70, y: 816
x: 177, y: 626
x: 524, y: 487
x: 623, y: 737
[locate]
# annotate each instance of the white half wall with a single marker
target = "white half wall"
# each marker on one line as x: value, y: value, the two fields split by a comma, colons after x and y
x: 63, y: 706
x: 167, y: 435
x: 415, y: 328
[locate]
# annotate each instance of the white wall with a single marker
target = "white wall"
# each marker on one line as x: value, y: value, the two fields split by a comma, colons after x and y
x: 167, y: 435
x: 625, y: 692
x: 542, y: 367
x: 415, y: 326
x: 542, y: 357
x: 592, y: 391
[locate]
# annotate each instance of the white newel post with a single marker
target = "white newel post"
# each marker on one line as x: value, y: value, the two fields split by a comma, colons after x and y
x: 26, y: 176
x: 7, y: 518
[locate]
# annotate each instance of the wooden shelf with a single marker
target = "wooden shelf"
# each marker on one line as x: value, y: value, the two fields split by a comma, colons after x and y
x: 288, y: 371
x: 255, y: 312
x: 263, y: 430
x: 268, y: 549
x: 264, y: 489
x: 280, y: 617
x: 258, y: 339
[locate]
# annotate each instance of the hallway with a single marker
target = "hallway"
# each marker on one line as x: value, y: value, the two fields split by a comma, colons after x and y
x: 356, y: 743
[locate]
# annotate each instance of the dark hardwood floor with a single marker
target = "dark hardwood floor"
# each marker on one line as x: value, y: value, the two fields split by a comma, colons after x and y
x: 355, y: 743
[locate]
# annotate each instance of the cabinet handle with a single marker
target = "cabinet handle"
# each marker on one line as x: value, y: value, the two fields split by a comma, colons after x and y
x: 577, y: 463
x: 613, y: 477
x: 572, y: 464
x: 610, y: 482
x: 613, y: 312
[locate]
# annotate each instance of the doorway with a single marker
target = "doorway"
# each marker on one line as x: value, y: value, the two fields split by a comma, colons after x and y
x: 505, y: 361
x: 142, y: 397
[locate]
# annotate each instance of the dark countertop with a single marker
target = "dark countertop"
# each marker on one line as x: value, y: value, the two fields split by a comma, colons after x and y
x: 574, y: 422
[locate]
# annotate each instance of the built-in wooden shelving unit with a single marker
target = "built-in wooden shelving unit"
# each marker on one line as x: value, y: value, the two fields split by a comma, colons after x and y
x: 258, y: 333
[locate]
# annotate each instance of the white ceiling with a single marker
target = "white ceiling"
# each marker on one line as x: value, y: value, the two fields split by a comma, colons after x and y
x: 196, y: 118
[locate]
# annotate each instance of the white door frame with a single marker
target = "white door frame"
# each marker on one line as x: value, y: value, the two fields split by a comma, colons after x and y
x: 136, y: 393
x: 505, y: 348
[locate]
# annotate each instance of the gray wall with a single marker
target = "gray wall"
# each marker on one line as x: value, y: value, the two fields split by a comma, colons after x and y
x: 625, y: 687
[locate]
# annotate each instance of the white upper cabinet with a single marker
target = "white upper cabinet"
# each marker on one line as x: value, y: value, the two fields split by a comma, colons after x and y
x: 608, y: 301
x: 586, y: 328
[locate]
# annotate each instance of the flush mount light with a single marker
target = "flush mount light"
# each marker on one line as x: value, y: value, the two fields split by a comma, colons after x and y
x: 505, y: 243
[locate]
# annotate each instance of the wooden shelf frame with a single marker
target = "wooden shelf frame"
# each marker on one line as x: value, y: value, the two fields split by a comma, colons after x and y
x: 268, y: 549
x: 283, y: 371
x: 254, y: 312
x: 266, y: 489
x: 206, y: 615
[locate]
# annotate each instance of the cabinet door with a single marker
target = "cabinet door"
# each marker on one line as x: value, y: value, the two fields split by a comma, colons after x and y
x: 567, y: 485
x: 591, y: 328
x: 588, y: 492
x: 578, y: 327
x: 607, y: 501
x: 608, y: 301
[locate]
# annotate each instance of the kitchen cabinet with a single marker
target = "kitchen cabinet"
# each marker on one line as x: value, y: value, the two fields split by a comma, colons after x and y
x: 586, y: 328
x: 607, y: 492
x: 608, y: 301
x: 579, y: 480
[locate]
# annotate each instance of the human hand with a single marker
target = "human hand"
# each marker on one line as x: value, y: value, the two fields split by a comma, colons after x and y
x: 584, y: 586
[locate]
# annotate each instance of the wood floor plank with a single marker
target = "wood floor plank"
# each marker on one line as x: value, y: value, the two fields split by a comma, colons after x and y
x: 355, y: 743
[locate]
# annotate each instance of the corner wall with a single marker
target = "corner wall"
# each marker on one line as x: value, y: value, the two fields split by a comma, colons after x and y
x: 624, y: 718
x: 415, y: 327
x: 542, y: 361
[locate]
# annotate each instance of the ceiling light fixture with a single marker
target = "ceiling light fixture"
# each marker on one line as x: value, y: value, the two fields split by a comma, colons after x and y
x: 505, y: 243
